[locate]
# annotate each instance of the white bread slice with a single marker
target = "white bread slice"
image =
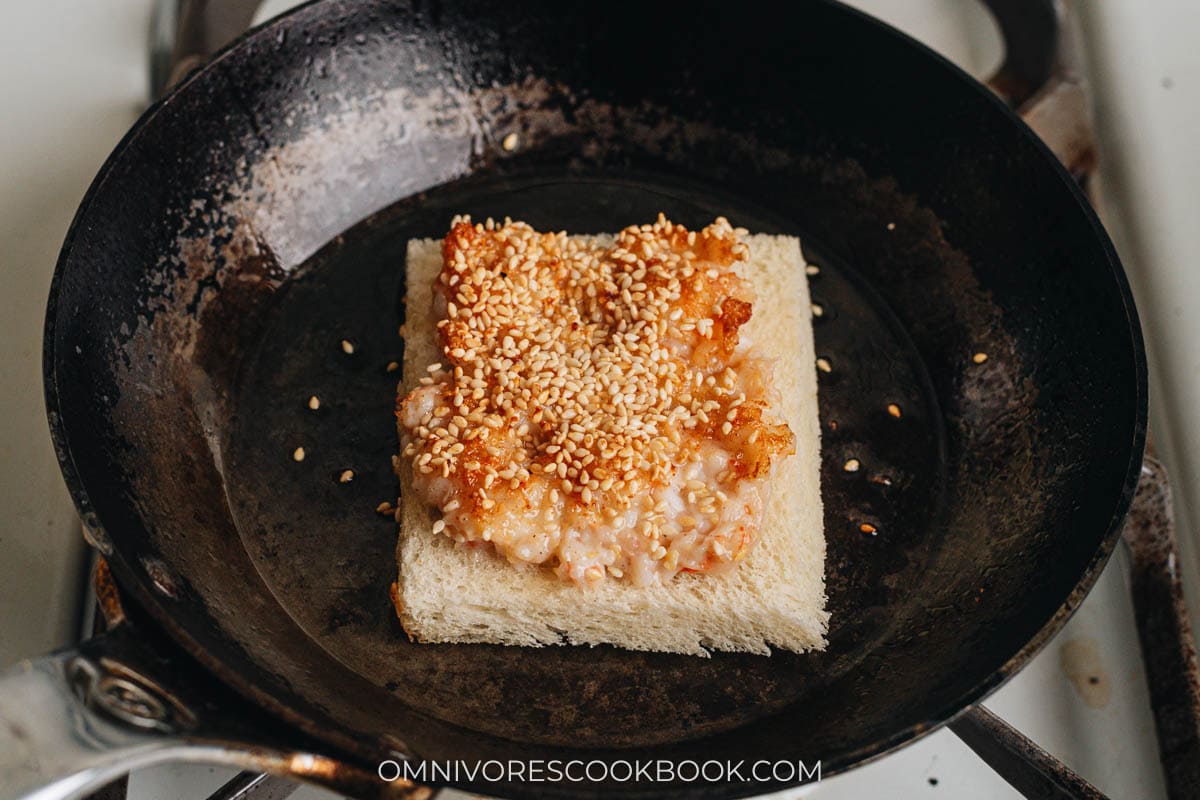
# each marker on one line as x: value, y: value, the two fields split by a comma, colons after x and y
x: 776, y: 596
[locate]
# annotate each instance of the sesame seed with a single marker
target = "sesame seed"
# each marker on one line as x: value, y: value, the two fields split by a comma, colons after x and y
x: 979, y: 358
x: 347, y: 347
x: 510, y: 142
x: 851, y: 465
x: 812, y: 269
x: 439, y: 526
x: 298, y: 454
x: 867, y: 527
x: 817, y: 310
x: 346, y: 476
x: 571, y: 372
x: 824, y: 365
x: 384, y: 508
x: 314, y: 402
x: 392, y: 366
x: 891, y: 226
x: 894, y: 410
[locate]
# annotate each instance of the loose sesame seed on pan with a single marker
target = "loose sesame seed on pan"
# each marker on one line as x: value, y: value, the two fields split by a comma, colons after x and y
x: 314, y: 402
x: 346, y: 476
x: 298, y: 454
x: 979, y: 358
x: 347, y: 347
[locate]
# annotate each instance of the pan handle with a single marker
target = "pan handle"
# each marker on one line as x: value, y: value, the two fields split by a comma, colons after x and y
x: 185, y: 33
x: 1042, y: 80
x: 77, y: 719
x: 67, y: 725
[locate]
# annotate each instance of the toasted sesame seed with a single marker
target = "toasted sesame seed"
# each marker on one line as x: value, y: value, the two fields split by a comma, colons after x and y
x: 314, y: 402
x: 569, y: 365
x: 384, y: 508
x: 979, y: 358
x: 817, y: 310
x: 439, y: 526
x: 298, y: 454
x: 894, y: 410
x: 852, y: 465
x: 392, y: 366
x: 510, y: 142
x: 867, y: 527
x: 346, y: 476
x: 347, y: 346
x: 812, y: 269
x: 891, y: 226
x: 824, y: 365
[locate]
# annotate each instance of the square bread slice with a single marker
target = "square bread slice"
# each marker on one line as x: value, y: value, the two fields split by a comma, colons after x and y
x: 776, y: 596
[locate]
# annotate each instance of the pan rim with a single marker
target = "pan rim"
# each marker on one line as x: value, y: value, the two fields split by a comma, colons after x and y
x: 249, y: 689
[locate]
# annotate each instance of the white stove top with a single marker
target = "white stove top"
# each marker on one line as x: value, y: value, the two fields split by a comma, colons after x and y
x: 77, y: 73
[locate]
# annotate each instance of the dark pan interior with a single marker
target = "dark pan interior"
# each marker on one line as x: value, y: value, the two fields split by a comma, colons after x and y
x: 259, y: 215
x: 328, y: 557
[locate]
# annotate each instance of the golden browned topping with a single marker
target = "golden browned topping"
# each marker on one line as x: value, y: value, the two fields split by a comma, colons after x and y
x: 580, y: 381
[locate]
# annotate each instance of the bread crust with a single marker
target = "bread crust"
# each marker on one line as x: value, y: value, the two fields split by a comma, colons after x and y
x: 447, y: 593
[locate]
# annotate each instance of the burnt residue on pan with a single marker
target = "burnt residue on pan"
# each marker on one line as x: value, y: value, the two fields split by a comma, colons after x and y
x: 258, y: 217
x: 329, y: 558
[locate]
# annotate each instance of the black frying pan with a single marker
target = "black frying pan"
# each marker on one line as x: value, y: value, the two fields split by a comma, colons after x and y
x: 258, y: 216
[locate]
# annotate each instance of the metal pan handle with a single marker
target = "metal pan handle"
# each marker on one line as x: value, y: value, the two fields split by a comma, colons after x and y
x: 75, y: 720
x: 185, y: 33
x: 55, y: 742
x: 69, y: 725
x: 1042, y: 80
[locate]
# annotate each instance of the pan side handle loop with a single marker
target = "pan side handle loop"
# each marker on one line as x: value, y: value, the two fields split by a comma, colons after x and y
x: 1041, y: 78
